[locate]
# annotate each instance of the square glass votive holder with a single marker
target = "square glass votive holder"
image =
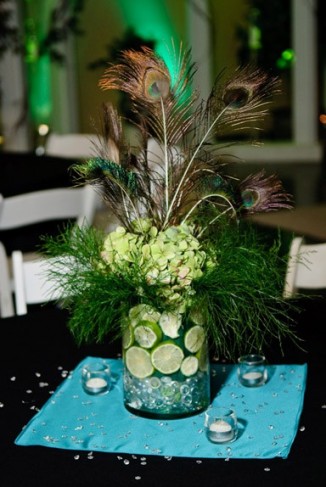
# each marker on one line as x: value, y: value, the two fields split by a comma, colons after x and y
x: 96, y: 378
x: 252, y: 370
x: 221, y: 425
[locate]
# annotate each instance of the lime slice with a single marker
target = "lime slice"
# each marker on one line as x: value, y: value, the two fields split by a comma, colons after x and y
x: 127, y: 337
x: 197, y: 317
x: 143, y: 312
x: 189, y: 365
x: 167, y: 358
x: 138, y: 362
x: 170, y: 324
x: 202, y: 356
x: 195, y: 338
x: 147, y: 334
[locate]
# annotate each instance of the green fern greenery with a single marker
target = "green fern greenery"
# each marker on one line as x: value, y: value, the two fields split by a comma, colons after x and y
x: 241, y: 296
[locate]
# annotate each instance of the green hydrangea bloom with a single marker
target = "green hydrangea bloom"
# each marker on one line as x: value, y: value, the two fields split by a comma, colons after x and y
x: 171, y: 258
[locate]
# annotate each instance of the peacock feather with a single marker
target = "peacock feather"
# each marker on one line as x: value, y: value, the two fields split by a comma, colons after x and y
x: 179, y: 166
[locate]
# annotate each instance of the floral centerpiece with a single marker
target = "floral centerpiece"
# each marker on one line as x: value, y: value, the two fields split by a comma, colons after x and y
x: 184, y: 271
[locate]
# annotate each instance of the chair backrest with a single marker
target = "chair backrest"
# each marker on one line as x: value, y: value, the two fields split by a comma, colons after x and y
x: 36, y: 207
x: 306, y: 267
x: 6, y: 303
x: 32, y: 283
x: 71, y: 145
x: 50, y: 204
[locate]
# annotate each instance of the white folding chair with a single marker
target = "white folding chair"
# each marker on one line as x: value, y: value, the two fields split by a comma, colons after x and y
x: 32, y: 283
x: 49, y: 204
x: 71, y: 145
x: 39, y: 206
x: 306, y: 267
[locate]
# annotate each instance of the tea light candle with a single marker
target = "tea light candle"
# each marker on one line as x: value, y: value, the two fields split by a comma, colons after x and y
x: 96, y: 378
x: 252, y: 378
x: 96, y: 385
x: 220, y: 431
x: 252, y: 370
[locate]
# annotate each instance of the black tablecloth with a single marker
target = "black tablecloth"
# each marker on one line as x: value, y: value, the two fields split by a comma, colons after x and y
x: 36, y: 352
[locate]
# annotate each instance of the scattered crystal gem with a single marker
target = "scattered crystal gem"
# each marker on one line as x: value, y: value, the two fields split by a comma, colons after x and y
x: 302, y: 428
x: 126, y: 461
x: 267, y: 469
x: 1, y: 405
x: 50, y: 439
x: 13, y: 378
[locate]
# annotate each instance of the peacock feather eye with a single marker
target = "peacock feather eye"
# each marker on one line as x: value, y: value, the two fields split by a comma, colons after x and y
x: 237, y: 97
x: 250, y: 198
x: 156, y: 85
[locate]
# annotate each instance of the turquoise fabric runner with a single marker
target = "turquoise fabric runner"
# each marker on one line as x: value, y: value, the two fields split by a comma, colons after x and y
x: 268, y: 418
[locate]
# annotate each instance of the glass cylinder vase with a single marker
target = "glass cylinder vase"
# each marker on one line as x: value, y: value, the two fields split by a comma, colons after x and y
x: 166, y: 364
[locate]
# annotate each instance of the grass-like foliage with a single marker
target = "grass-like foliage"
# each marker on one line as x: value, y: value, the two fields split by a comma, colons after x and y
x: 240, y: 296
